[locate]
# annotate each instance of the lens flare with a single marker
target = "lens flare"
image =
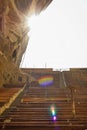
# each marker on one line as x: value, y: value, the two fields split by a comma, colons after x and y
x: 54, y: 118
x: 53, y: 113
x: 46, y: 80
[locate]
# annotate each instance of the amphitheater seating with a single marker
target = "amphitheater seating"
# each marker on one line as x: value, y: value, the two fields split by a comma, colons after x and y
x: 7, y: 96
x: 34, y: 108
x: 37, y: 112
x: 76, y: 78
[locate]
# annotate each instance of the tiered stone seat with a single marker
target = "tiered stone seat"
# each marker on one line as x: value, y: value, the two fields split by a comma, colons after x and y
x: 36, y: 111
x: 7, y: 96
x: 76, y: 78
x: 34, y: 108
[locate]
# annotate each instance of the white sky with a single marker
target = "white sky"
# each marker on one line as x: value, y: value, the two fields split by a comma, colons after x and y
x: 58, y: 36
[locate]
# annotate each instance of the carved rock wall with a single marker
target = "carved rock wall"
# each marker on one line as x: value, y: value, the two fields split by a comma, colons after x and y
x: 13, y: 36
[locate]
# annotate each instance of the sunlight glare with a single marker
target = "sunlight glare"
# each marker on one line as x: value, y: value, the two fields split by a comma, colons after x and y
x: 58, y: 36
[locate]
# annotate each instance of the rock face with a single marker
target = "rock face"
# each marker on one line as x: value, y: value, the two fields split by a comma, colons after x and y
x: 13, y: 36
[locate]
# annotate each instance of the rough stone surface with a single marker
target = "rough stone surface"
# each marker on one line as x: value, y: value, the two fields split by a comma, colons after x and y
x: 13, y: 36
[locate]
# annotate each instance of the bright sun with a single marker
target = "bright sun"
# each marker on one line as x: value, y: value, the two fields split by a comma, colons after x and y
x: 58, y: 36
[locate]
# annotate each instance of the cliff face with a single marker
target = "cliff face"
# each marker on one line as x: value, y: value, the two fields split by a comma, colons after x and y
x: 13, y: 36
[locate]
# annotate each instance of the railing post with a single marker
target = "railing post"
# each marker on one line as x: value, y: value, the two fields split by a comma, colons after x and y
x: 73, y: 101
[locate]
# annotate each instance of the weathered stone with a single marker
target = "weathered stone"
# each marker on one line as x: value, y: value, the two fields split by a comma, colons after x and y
x: 13, y: 36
